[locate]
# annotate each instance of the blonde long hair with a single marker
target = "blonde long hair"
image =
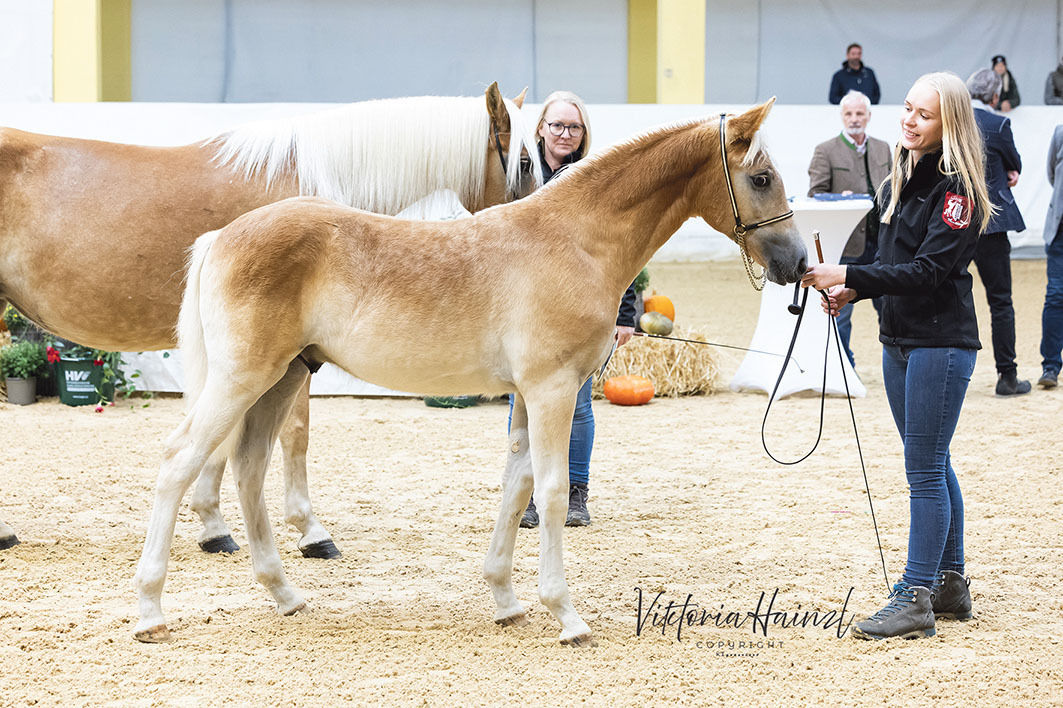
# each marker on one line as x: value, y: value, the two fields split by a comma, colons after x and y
x: 962, y: 151
x: 568, y: 97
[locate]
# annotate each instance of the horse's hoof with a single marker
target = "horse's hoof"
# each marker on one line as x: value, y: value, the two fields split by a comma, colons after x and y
x: 321, y: 549
x: 580, y: 640
x: 298, y: 608
x: 220, y: 544
x: 520, y: 620
x: 158, y: 634
x: 8, y: 542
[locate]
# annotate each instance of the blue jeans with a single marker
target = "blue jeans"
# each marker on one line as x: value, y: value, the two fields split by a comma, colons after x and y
x: 1052, y: 314
x: 925, y: 387
x: 581, y: 441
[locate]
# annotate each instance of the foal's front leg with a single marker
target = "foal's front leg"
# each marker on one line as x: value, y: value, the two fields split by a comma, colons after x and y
x: 206, y: 502
x: 7, y: 536
x: 294, y: 438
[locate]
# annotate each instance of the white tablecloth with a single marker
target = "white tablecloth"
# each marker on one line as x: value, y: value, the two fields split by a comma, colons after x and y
x: 835, y: 221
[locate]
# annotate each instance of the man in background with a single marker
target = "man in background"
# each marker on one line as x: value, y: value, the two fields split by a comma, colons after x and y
x: 852, y: 162
x: 992, y: 252
x: 1052, y: 314
x: 854, y: 76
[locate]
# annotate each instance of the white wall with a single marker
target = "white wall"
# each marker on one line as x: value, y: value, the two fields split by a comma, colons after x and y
x: 25, y: 50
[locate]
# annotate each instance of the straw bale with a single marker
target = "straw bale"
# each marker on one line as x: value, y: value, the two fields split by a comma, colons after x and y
x: 674, y: 368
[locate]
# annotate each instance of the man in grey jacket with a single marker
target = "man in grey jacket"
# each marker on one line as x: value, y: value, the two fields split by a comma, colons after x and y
x: 1052, y: 315
x: 852, y: 162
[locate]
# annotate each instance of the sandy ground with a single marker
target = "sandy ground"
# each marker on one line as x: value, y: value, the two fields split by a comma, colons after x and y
x: 684, y: 501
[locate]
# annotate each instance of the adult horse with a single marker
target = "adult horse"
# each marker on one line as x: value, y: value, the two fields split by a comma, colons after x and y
x: 290, y: 286
x: 94, y: 234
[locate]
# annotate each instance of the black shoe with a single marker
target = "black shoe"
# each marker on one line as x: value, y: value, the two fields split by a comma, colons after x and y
x: 1008, y: 384
x: 531, y: 517
x: 907, y: 615
x: 1049, y: 379
x: 952, y: 597
x: 577, y: 506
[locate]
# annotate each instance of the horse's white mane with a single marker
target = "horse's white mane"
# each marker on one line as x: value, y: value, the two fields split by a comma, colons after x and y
x: 372, y: 155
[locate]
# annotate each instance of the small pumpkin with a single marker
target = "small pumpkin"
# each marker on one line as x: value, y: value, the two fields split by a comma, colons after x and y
x: 659, y: 303
x: 629, y: 390
x: 655, y: 323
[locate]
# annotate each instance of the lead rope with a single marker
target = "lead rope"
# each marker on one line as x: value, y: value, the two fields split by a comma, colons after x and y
x: 832, y: 326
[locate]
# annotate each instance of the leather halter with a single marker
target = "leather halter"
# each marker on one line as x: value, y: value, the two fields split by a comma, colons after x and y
x: 740, y: 228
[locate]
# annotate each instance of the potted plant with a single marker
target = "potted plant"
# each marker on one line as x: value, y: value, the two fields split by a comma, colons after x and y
x: 86, y: 376
x: 21, y: 363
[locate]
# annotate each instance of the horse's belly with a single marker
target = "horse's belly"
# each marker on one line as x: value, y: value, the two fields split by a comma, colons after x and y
x: 447, y: 373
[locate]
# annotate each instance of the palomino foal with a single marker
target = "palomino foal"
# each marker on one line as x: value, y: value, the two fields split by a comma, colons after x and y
x: 305, y: 281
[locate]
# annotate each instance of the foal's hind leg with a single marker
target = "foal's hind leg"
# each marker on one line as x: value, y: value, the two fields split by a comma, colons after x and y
x: 516, y: 490
x: 249, y: 461
x: 7, y: 536
x: 215, y: 536
x: 294, y: 438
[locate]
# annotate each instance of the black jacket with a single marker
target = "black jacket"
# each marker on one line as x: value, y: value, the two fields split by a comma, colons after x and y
x: 847, y: 79
x: 625, y: 317
x: 922, y: 261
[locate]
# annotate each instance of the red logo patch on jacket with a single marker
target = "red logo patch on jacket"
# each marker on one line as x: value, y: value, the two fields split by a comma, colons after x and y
x: 957, y: 211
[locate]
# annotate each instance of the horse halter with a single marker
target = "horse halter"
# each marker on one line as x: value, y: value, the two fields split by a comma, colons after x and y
x: 740, y: 228
x: 524, y: 160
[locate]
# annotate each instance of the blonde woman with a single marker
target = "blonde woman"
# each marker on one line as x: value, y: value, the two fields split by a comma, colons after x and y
x: 564, y: 136
x: 935, y: 206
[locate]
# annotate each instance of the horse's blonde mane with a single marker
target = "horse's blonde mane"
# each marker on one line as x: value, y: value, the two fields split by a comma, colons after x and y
x: 372, y: 155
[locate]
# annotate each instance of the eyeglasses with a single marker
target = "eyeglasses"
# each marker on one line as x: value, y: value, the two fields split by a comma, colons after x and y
x: 558, y: 129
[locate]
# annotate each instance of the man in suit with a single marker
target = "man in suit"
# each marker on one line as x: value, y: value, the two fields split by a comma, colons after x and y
x: 1052, y: 315
x: 992, y: 254
x: 852, y: 162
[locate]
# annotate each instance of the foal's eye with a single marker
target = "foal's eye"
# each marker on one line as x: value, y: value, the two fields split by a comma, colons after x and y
x: 761, y: 181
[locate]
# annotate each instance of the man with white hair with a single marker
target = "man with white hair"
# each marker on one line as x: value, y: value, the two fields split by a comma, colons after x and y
x: 992, y: 252
x: 852, y: 162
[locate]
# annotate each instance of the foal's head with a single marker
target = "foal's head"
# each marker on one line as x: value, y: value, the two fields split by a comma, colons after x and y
x: 763, y: 227
x: 513, y: 171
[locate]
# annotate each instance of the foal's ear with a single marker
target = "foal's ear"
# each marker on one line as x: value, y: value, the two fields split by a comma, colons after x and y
x: 742, y: 127
x: 496, y: 108
x: 519, y: 98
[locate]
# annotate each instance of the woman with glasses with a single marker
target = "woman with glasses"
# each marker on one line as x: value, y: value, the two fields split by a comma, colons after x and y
x: 564, y: 137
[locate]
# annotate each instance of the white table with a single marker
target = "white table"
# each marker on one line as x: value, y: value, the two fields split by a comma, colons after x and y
x: 835, y: 221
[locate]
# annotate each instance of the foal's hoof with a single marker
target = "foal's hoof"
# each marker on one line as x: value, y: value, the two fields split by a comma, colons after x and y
x: 580, y: 640
x: 301, y: 607
x: 321, y: 549
x: 8, y: 542
x: 519, y: 620
x: 220, y: 544
x: 158, y: 634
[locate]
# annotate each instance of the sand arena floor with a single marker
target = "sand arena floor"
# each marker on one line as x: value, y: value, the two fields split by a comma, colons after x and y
x: 684, y: 502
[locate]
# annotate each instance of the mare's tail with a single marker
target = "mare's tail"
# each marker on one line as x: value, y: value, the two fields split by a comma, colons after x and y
x: 190, y: 322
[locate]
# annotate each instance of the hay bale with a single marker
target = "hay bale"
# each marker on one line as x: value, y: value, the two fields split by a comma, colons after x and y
x: 675, y: 368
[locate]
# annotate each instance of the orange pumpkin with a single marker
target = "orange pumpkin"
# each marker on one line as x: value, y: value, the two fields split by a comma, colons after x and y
x: 659, y: 303
x: 628, y: 390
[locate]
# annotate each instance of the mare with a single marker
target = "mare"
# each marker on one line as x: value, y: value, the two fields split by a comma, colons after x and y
x: 95, y: 234
x: 295, y: 284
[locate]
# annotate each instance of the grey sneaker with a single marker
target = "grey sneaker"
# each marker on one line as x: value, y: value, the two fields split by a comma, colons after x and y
x: 531, y: 517
x: 1049, y: 379
x: 577, y: 506
x: 952, y: 597
x: 907, y: 615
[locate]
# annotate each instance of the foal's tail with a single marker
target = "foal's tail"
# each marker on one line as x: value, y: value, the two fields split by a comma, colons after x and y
x: 190, y: 322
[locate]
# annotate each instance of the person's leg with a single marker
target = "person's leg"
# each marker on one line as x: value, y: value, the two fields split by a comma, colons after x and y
x: 580, y: 445
x: 992, y: 255
x: 1052, y: 314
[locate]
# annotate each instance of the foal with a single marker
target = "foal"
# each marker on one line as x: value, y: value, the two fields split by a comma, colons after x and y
x: 305, y: 281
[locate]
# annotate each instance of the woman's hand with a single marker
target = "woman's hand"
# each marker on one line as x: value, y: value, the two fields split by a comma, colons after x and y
x: 624, y: 335
x: 823, y: 275
x: 837, y: 297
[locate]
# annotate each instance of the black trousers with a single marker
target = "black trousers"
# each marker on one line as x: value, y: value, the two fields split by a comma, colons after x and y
x: 992, y: 256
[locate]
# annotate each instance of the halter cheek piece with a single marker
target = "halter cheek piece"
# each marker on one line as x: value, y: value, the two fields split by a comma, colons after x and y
x: 740, y: 229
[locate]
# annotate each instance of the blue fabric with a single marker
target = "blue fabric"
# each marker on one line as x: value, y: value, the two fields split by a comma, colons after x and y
x: 1052, y: 314
x: 925, y: 387
x: 846, y: 80
x: 1000, y: 157
x: 581, y: 440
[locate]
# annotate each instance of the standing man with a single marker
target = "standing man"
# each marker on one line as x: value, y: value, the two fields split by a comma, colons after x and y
x: 852, y: 162
x: 854, y: 76
x: 992, y: 252
x: 1054, y: 86
x: 1052, y: 315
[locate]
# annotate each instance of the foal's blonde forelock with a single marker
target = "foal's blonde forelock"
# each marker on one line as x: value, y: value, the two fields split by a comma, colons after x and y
x: 372, y: 154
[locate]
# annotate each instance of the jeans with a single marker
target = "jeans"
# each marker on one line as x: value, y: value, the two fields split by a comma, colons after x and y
x: 1052, y: 315
x: 845, y: 315
x: 581, y: 440
x: 925, y: 387
x: 992, y: 256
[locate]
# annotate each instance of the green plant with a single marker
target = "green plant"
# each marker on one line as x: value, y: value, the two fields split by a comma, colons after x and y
x: 20, y: 327
x: 642, y: 280
x: 23, y: 360
x: 109, y: 362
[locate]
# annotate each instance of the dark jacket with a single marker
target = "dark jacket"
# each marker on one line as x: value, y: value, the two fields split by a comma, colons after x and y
x: 922, y: 261
x: 1011, y: 92
x: 1054, y: 87
x: 1000, y: 157
x: 847, y: 79
x: 625, y: 317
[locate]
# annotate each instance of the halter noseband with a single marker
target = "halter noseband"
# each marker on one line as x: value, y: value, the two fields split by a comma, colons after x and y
x: 740, y: 229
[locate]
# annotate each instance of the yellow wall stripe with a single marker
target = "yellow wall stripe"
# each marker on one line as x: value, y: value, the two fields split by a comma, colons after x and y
x: 91, y: 50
